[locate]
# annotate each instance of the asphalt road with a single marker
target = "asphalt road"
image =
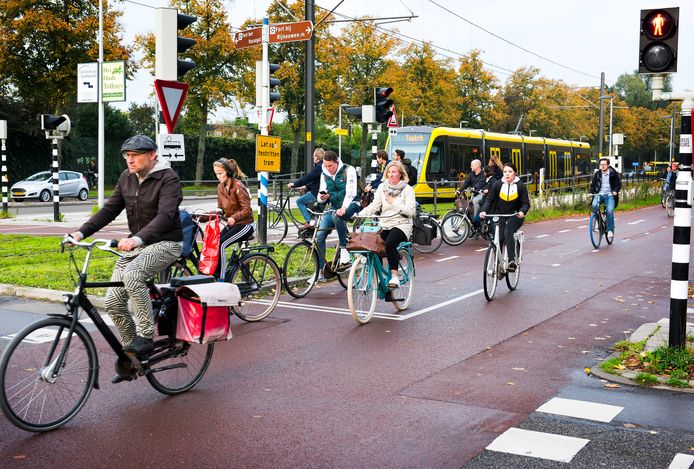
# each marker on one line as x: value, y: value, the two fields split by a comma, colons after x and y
x: 430, y: 387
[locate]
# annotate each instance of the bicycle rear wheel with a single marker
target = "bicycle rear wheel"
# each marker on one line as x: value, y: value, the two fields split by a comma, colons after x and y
x: 491, y: 271
x: 177, y: 269
x: 454, y: 228
x: 403, y: 295
x: 670, y: 206
x: 361, y: 290
x: 184, y: 366
x: 260, y: 283
x: 300, y: 269
x: 277, y: 225
x: 595, y: 229
x: 37, y: 393
x: 512, y: 278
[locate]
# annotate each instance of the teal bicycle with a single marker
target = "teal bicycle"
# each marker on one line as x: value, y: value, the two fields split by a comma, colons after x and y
x: 368, y: 278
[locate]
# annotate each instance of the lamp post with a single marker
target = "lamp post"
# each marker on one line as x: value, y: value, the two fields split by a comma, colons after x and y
x: 339, y: 124
x: 464, y: 122
x: 580, y: 139
x: 530, y: 132
x: 672, y: 131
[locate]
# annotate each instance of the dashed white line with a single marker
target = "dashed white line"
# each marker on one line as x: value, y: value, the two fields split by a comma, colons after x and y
x: 563, y: 231
x: 447, y: 259
x: 556, y: 265
x: 635, y: 222
x: 480, y: 249
x: 580, y: 409
x: 538, y: 445
x: 583, y: 226
x: 542, y: 236
x: 681, y: 461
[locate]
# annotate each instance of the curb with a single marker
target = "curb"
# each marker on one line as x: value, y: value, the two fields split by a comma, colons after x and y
x: 43, y: 294
x: 619, y: 379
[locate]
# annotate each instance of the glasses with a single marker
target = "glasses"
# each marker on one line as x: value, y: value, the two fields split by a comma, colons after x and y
x: 134, y: 154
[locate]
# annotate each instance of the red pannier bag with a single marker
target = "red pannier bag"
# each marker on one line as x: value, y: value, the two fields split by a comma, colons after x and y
x: 203, y: 311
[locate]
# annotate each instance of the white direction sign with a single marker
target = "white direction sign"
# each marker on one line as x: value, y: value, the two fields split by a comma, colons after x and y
x: 88, y: 82
x: 172, y: 147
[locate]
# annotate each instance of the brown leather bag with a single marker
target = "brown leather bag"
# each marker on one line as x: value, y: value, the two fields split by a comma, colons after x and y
x: 369, y: 241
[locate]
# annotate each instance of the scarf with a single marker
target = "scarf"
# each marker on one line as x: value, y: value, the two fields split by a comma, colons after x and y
x: 395, y: 190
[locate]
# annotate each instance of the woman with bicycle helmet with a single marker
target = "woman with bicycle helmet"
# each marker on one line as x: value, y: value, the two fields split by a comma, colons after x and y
x: 395, y: 200
x: 509, y: 195
x: 234, y: 200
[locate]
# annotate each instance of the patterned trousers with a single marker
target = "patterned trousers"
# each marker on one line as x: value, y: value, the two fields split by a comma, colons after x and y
x: 133, y: 269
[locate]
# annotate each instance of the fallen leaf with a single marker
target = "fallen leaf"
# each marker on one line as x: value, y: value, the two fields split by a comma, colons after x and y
x: 612, y: 385
x: 571, y: 338
x: 587, y: 370
x: 629, y: 425
x: 585, y: 351
x: 653, y: 432
x: 19, y: 456
x: 621, y: 367
x: 511, y: 383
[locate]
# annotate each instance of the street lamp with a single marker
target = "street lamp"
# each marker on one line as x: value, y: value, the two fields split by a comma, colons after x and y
x: 672, y: 131
x: 580, y: 139
x: 530, y: 132
x: 464, y: 122
x: 339, y: 124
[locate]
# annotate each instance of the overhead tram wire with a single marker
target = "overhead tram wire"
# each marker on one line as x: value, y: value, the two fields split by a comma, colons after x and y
x: 512, y: 43
x: 413, y: 41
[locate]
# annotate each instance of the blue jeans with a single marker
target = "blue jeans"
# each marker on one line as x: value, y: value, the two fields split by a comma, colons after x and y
x: 331, y: 220
x: 609, y: 207
x: 301, y: 203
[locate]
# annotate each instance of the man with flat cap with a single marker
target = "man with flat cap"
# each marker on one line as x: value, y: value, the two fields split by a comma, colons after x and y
x: 150, y: 192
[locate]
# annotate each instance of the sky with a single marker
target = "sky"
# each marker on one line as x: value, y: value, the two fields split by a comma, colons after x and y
x: 569, y: 40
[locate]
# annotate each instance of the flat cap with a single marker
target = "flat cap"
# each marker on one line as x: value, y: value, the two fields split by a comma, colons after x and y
x: 139, y: 143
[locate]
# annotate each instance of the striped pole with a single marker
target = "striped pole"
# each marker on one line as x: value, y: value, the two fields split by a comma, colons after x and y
x: 374, y: 150
x: 681, y: 234
x: 56, y: 186
x: 4, y: 177
x: 263, y: 177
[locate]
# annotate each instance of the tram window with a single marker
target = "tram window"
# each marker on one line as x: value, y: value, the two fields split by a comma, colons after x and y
x: 435, y: 166
x: 461, y: 157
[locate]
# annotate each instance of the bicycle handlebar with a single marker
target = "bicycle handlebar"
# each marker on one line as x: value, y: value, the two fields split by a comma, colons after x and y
x: 501, y: 215
x: 378, y: 216
x: 103, y: 244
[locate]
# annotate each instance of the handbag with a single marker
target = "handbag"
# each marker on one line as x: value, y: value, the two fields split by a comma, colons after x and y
x: 367, y: 241
x: 209, y: 256
x: 366, y: 199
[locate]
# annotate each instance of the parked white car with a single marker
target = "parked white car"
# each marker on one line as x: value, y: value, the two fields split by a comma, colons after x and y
x: 40, y: 186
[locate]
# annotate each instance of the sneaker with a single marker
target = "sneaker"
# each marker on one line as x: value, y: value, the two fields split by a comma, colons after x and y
x: 344, y: 257
x: 117, y: 378
x: 610, y: 234
x: 512, y: 266
x: 474, y: 236
x: 140, y: 346
x: 321, y: 277
x: 393, y: 282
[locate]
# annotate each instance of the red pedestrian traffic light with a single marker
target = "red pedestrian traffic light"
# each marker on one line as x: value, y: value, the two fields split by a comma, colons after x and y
x: 658, y: 42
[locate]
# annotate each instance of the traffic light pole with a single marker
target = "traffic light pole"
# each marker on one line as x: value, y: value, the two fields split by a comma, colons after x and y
x: 374, y: 151
x: 265, y: 103
x: 56, y: 180
x: 3, y: 152
x: 681, y: 236
x: 310, y: 87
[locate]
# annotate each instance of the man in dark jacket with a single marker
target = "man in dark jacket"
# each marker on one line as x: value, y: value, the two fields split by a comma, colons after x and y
x: 411, y: 171
x: 606, y: 185
x: 150, y: 192
x: 474, y: 180
x: 309, y: 182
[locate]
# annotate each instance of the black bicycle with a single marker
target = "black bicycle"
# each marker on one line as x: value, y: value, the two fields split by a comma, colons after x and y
x: 598, y: 226
x: 279, y: 215
x: 50, y: 367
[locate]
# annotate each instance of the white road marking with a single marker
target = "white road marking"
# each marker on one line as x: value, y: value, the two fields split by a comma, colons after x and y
x: 447, y: 259
x: 556, y: 265
x: 583, y: 226
x: 681, y: 461
x: 542, y: 236
x: 596, y: 250
x: 480, y: 249
x: 626, y: 240
x: 538, y: 445
x: 635, y: 222
x: 563, y: 231
x: 580, y: 409
x: 577, y: 219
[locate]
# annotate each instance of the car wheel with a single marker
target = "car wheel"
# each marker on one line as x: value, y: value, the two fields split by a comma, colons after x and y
x: 84, y: 193
x: 45, y: 195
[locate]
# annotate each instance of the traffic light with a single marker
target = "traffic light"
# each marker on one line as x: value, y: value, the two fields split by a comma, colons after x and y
x: 382, y: 104
x: 658, y: 41
x: 169, y: 44
x: 273, y: 82
x: 55, y: 126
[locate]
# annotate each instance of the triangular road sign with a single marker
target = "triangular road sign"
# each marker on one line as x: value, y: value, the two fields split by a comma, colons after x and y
x: 171, y: 95
x: 393, y: 120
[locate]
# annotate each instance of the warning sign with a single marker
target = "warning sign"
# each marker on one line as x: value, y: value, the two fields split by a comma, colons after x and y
x: 393, y: 121
x: 267, y: 153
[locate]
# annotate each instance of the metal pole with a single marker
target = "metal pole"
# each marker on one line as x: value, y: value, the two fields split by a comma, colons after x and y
x: 4, y: 170
x: 681, y: 236
x: 672, y: 133
x: 374, y: 151
x: 610, y: 125
x: 101, y: 131
x: 339, y: 137
x: 310, y: 88
x: 265, y: 103
x: 56, y: 178
x: 602, y: 115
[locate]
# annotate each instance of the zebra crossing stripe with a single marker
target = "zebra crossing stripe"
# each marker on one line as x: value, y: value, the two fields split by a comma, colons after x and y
x: 580, y: 409
x: 681, y: 461
x: 537, y: 444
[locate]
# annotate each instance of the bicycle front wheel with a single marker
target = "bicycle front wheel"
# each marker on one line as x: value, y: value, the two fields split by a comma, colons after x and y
x: 402, y: 297
x: 435, y: 241
x: 37, y: 392
x: 277, y: 225
x: 670, y: 206
x: 454, y: 228
x: 595, y: 230
x: 181, y: 365
x: 260, y: 283
x: 361, y: 289
x: 491, y: 272
x: 300, y: 269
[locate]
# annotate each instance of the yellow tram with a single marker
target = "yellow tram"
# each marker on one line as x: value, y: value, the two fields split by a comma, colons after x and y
x: 444, y: 154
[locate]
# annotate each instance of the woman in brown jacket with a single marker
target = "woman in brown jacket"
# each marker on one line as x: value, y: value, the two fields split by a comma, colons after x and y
x: 234, y: 199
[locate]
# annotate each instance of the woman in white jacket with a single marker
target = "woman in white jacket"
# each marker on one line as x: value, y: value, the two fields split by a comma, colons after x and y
x: 395, y: 200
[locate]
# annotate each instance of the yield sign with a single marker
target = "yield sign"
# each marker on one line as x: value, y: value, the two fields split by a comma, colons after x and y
x: 393, y: 121
x: 171, y: 95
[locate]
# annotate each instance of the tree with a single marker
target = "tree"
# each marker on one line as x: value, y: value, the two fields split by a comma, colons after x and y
x: 478, y: 100
x: 218, y: 74
x: 634, y: 89
x: 41, y: 43
x: 142, y: 119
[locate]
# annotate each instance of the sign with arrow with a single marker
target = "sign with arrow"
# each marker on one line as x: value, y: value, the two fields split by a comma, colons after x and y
x: 248, y: 38
x: 171, y: 95
x: 290, y: 32
x: 87, y: 82
x: 172, y: 147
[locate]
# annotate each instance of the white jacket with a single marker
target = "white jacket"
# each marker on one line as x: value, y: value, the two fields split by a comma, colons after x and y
x: 403, y: 209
